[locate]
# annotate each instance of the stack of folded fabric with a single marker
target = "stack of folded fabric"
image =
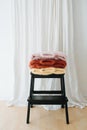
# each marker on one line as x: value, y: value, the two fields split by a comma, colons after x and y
x: 48, y: 63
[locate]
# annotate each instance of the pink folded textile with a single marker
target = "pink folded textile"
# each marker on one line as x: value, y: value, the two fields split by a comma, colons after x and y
x: 56, y: 56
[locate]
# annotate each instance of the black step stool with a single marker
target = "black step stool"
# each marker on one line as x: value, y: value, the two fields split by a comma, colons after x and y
x: 58, y: 97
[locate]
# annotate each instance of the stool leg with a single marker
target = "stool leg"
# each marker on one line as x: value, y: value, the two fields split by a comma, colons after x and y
x: 66, y: 105
x: 32, y: 89
x: 28, y: 112
x: 66, y: 111
x: 30, y: 98
x: 62, y: 106
x: 62, y: 89
x: 31, y: 105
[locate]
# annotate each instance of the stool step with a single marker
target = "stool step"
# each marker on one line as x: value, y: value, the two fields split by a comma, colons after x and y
x: 48, y: 92
x: 47, y: 76
x: 48, y: 100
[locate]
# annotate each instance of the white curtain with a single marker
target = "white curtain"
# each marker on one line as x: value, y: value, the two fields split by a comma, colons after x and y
x: 44, y: 25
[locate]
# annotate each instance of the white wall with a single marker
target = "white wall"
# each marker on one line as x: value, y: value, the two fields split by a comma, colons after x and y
x: 6, y: 51
x: 80, y: 42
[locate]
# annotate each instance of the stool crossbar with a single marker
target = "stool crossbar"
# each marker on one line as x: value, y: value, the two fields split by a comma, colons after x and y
x: 41, y: 97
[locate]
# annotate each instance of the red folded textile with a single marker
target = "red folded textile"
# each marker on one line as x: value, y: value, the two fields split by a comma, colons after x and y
x: 47, y: 63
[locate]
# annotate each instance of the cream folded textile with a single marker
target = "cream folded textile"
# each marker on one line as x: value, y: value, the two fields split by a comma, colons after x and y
x: 47, y: 71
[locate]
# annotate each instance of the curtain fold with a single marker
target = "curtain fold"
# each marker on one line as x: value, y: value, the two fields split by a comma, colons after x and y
x: 40, y: 26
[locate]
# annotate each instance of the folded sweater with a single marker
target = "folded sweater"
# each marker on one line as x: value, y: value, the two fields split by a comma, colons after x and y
x: 45, y: 63
x: 47, y: 71
x: 56, y: 56
x: 48, y: 60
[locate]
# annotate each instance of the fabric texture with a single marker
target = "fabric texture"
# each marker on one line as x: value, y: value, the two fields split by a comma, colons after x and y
x: 49, y: 55
x: 47, y: 71
x: 45, y: 60
x: 48, y: 63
